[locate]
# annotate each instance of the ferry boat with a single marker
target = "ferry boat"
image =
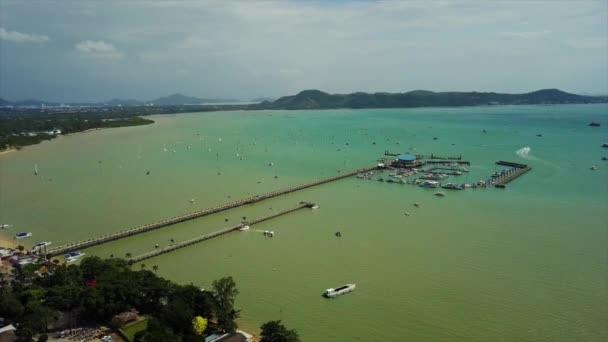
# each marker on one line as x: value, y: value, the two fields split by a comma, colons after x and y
x: 333, y: 293
x: 5, y: 226
x: 41, y: 245
x: 22, y: 235
x: 73, y: 256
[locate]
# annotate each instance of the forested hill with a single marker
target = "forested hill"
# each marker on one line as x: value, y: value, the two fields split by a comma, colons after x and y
x: 316, y: 99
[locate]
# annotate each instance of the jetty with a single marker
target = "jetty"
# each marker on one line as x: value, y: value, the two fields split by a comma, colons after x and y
x: 220, y: 232
x: 515, y: 171
x: 99, y: 240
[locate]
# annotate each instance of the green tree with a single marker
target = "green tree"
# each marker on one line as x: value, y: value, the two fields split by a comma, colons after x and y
x: 128, y: 255
x: 275, y: 331
x: 225, y: 292
x: 156, y: 332
x: 155, y: 268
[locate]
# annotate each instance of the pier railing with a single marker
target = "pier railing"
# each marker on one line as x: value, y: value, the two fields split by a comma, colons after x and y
x: 205, y: 212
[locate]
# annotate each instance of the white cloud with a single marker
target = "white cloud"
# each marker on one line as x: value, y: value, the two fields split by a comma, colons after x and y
x: 19, y: 37
x: 99, y: 49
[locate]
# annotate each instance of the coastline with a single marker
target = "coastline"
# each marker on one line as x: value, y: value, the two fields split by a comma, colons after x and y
x: 8, y: 150
x: 7, y: 242
x: 13, y: 149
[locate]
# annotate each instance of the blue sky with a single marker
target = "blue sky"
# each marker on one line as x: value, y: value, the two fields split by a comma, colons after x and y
x: 97, y: 50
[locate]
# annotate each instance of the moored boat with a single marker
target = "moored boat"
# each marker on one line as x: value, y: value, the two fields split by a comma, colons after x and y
x: 333, y: 293
x: 244, y: 228
x: 73, y: 256
x: 22, y: 235
x: 5, y: 226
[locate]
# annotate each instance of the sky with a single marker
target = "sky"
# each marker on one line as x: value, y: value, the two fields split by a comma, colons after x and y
x: 98, y: 50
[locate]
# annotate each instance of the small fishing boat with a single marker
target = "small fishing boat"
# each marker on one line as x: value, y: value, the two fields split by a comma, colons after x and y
x: 5, y: 226
x: 314, y: 207
x: 22, y: 235
x: 440, y: 194
x: 593, y: 168
x: 73, y: 256
x: 594, y: 124
x: 244, y: 228
x: 36, y: 169
x: 416, y: 204
x: 333, y: 293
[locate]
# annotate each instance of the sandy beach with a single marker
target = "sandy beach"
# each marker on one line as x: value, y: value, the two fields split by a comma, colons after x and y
x: 7, y: 242
x: 7, y: 151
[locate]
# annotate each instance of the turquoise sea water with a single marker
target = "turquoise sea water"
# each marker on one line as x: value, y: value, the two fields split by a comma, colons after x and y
x: 525, y: 263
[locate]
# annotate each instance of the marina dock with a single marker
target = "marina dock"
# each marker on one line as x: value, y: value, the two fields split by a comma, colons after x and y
x: 515, y: 171
x: 201, y: 213
x: 220, y: 232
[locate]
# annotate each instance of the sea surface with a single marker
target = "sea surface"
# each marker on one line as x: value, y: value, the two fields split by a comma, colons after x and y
x: 525, y: 263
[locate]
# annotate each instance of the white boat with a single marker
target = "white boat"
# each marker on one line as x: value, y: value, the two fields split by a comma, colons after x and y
x: 430, y: 184
x: 244, y: 228
x: 333, y: 293
x: 41, y: 245
x: 22, y: 235
x: 5, y: 226
x: 314, y: 207
x: 36, y: 169
x: 73, y: 256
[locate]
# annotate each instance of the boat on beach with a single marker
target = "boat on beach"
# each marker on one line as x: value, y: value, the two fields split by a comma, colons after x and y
x: 244, y: 228
x: 333, y: 293
x: 22, y: 235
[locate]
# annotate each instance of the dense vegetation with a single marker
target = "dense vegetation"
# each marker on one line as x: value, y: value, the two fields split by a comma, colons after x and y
x: 316, y: 99
x: 97, y: 290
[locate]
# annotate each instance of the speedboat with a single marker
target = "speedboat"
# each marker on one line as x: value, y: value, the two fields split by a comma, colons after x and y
x: 41, y: 245
x: 333, y: 293
x: 22, y: 235
x: 244, y: 228
x: 5, y: 226
x: 73, y: 256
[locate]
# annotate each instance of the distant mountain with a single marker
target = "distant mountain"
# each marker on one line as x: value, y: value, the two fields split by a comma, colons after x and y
x: 316, y: 99
x: 179, y: 99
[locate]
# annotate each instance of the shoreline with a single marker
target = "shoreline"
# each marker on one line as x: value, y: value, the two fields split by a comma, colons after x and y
x: 7, y: 242
x: 8, y: 150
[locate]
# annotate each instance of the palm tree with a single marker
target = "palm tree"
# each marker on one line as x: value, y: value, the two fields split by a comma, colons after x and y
x: 155, y: 268
x: 128, y: 254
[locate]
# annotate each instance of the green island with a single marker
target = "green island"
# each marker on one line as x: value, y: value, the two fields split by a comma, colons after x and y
x: 106, y: 297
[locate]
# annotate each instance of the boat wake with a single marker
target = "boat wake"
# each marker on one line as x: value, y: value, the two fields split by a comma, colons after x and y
x: 524, y: 153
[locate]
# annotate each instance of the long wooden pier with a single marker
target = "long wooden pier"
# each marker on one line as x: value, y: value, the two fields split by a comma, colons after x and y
x: 183, y: 218
x: 205, y: 237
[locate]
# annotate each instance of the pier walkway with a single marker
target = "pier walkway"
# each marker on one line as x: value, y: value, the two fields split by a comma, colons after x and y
x: 205, y: 212
x: 202, y: 238
x: 515, y: 171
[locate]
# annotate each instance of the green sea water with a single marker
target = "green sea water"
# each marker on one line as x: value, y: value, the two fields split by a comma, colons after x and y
x: 525, y: 263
